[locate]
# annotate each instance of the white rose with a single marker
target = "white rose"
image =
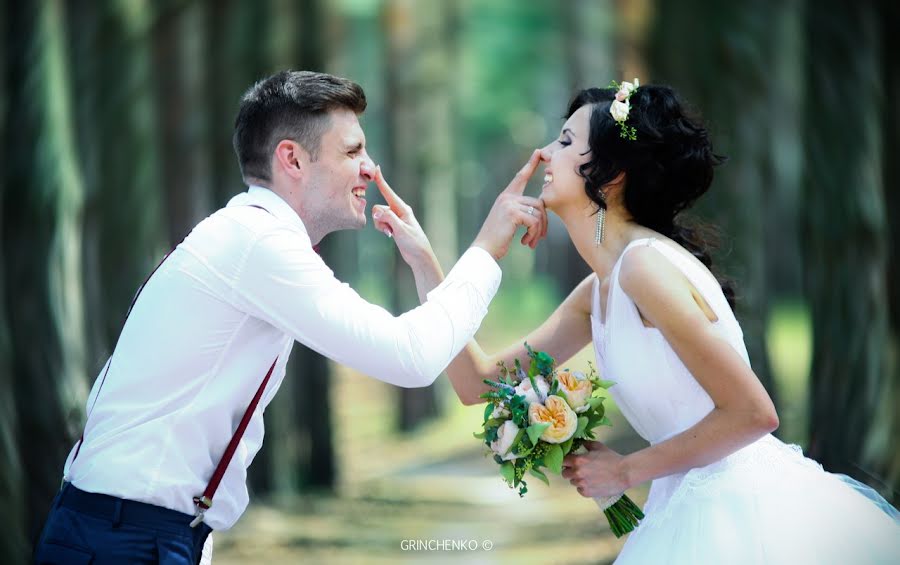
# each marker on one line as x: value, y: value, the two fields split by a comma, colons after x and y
x: 525, y: 389
x: 627, y: 88
x: 506, y: 434
x: 619, y: 110
x: 500, y: 411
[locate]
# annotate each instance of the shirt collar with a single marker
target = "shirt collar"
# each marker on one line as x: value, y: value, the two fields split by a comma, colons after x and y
x: 269, y: 200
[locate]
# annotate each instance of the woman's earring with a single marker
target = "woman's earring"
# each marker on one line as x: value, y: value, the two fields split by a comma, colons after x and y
x: 601, y: 221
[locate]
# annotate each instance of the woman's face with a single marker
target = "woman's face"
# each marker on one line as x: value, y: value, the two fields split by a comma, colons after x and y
x: 563, y: 186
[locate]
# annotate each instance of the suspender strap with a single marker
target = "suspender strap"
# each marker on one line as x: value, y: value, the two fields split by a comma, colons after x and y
x: 205, y: 501
x: 202, y: 503
x: 109, y: 363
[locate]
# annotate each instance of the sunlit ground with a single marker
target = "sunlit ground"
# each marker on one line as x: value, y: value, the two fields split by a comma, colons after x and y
x: 436, y: 484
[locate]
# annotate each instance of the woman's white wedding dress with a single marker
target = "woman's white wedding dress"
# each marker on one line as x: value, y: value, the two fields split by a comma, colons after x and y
x: 764, y: 504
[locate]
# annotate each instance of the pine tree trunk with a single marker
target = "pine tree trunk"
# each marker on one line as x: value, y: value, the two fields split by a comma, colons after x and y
x: 14, y: 542
x: 41, y: 240
x: 884, y: 454
x: 311, y: 371
x: 845, y: 230
x: 179, y: 57
x: 404, y: 161
x: 693, y: 54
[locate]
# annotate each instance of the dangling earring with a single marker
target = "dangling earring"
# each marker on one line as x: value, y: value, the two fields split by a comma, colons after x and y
x: 601, y: 224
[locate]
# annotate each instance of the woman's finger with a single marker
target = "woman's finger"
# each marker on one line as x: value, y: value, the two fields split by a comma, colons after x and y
x: 517, y: 185
x: 386, y: 221
x: 394, y: 201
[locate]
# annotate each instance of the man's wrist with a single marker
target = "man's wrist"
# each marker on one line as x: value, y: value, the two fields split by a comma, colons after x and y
x: 482, y: 245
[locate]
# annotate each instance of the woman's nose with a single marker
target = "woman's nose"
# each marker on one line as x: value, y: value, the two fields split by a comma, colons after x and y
x: 546, y: 153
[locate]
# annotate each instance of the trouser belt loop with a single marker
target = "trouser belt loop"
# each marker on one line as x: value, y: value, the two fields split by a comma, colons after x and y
x: 117, y: 513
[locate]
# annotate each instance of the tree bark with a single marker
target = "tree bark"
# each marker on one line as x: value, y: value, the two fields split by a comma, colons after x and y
x: 41, y: 252
x: 721, y: 62
x: 845, y: 231
x: 404, y: 157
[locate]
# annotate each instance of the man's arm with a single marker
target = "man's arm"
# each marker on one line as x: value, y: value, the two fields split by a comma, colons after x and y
x: 285, y: 283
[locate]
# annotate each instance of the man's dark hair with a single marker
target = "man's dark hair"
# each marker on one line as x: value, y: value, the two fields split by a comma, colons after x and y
x: 289, y: 105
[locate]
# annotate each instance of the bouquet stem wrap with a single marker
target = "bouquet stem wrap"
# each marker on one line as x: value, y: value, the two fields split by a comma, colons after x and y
x: 622, y: 514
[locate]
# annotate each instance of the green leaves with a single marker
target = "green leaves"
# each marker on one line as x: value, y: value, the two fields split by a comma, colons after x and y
x: 540, y: 474
x: 582, y: 425
x: 553, y: 459
x: 535, y: 431
x: 567, y: 445
x: 508, y: 472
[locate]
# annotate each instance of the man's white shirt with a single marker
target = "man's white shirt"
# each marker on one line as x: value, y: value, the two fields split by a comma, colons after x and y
x: 230, y: 299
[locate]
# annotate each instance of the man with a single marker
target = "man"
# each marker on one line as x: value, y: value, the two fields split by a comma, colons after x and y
x: 176, y: 415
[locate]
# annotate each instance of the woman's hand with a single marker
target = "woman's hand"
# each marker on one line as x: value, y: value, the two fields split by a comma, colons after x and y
x: 397, y: 220
x: 511, y: 210
x: 599, y: 472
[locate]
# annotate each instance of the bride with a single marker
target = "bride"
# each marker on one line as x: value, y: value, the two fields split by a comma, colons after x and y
x: 723, y: 490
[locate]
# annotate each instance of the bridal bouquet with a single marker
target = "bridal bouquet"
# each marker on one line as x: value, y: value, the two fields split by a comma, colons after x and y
x: 535, y: 417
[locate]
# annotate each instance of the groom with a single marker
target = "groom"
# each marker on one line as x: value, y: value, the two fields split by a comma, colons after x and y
x: 176, y: 414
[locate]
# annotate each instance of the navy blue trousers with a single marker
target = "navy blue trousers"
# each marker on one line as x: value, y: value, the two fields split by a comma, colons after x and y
x: 99, y: 529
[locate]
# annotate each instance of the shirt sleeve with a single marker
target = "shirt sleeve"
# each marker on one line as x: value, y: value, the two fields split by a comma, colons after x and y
x: 285, y: 283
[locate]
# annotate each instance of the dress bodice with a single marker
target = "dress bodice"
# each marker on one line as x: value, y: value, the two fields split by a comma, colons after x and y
x: 656, y: 393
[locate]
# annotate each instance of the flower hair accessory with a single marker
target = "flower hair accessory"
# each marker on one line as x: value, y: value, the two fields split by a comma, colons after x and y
x: 620, y: 108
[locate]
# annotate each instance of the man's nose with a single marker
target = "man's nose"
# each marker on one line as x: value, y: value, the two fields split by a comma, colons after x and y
x: 367, y: 168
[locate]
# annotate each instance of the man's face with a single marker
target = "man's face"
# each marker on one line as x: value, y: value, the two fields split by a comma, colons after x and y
x: 336, y: 181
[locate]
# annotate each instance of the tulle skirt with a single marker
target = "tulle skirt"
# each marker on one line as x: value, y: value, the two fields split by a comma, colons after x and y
x: 765, y: 504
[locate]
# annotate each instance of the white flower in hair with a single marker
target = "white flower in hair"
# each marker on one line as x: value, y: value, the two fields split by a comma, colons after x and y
x: 620, y: 108
x: 625, y: 90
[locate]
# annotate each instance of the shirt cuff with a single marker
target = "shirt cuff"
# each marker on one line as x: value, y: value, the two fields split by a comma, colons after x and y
x: 476, y: 267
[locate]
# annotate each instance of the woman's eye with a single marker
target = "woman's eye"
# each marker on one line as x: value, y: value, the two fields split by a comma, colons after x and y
x: 565, y: 142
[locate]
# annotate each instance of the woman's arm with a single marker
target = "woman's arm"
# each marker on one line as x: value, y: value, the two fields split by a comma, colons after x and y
x: 743, y: 411
x: 562, y: 335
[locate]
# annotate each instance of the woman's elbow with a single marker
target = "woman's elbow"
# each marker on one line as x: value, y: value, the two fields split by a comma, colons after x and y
x: 766, y: 419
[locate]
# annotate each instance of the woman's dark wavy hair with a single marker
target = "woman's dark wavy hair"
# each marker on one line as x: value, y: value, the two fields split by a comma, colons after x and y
x: 667, y: 168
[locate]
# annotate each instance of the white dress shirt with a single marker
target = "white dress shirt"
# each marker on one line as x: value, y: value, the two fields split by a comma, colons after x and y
x: 230, y: 299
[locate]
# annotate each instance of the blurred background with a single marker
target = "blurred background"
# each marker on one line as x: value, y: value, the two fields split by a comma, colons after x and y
x: 116, y: 119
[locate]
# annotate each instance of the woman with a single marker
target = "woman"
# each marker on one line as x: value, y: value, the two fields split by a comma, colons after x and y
x: 724, y: 490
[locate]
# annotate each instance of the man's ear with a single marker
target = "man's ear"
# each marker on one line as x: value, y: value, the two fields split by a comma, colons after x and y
x: 290, y: 157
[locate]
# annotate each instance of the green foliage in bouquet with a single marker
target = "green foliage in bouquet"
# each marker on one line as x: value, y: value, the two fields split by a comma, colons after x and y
x: 535, y: 417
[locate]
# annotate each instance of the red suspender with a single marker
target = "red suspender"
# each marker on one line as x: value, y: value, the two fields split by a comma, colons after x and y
x: 203, y: 502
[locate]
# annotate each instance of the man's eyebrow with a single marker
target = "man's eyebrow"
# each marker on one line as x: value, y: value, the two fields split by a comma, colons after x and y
x: 354, y: 146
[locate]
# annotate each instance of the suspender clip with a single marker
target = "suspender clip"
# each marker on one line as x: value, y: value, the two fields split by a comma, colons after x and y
x: 202, y: 504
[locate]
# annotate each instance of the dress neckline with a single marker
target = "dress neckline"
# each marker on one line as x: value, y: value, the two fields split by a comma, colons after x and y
x: 613, y: 276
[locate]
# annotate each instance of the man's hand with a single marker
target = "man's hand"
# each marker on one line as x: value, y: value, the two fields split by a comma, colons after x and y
x: 511, y: 210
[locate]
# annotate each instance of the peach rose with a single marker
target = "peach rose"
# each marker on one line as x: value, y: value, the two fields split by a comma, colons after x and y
x: 563, y: 421
x: 577, y: 389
